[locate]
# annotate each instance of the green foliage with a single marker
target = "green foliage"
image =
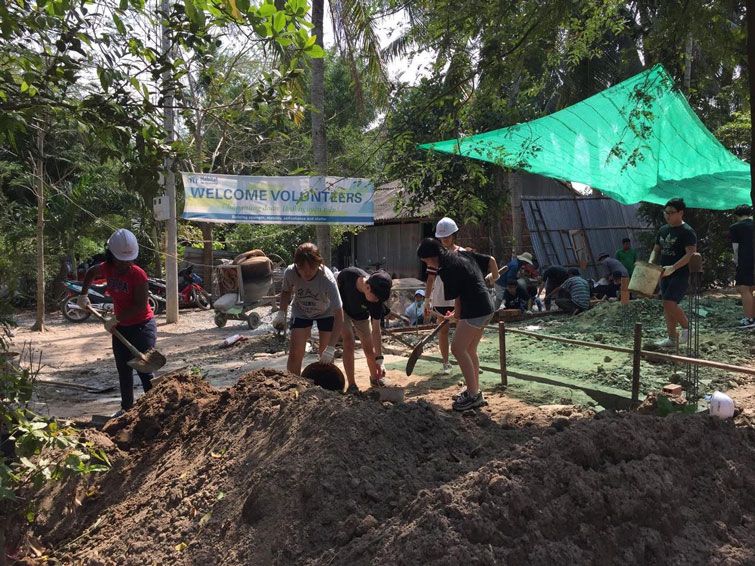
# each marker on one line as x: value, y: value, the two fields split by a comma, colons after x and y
x: 501, y: 63
x: 736, y: 135
x: 45, y: 450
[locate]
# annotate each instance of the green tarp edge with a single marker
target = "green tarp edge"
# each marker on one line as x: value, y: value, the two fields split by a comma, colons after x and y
x: 636, y: 141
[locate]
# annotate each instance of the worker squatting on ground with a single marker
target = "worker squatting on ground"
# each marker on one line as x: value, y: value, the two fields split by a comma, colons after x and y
x: 573, y: 295
x: 134, y: 319
x: 415, y: 312
x: 612, y: 271
x: 674, y: 246
x: 316, y: 300
x: 553, y: 278
x: 740, y: 235
x: 436, y: 304
x: 461, y: 273
x: 363, y: 297
x: 510, y: 272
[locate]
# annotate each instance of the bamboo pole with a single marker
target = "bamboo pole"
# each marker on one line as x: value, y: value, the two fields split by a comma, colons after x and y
x: 644, y: 353
x: 636, y: 358
x: 502, y: 352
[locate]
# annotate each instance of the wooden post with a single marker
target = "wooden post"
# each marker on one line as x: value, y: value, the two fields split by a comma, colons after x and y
x: 502, y: 352
x: 636, y: 357
x: 625, y: 290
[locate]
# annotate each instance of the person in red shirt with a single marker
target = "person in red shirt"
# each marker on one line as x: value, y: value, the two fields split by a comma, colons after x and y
x: 127, y: 285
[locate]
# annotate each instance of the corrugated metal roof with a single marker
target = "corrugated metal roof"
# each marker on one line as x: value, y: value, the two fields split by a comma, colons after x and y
x: 384, y: 203
x: 555, y: 223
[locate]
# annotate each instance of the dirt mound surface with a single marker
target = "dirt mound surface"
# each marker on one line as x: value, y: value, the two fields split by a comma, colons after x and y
x: 275, y: 471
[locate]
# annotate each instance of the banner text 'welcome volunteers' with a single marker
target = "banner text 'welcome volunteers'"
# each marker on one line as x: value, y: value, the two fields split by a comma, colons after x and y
x: 277, y: 200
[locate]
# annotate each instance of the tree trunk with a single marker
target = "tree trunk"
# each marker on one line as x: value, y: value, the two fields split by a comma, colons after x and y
x: 157, y: 239
x: 319, y: 139
x: 39, y: 181
x: 751, y: 71
x: 207, y: 254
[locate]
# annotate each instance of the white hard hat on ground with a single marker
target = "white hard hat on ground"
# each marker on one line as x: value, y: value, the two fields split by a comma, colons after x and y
x: 123, y: 245
x: 445, y: 227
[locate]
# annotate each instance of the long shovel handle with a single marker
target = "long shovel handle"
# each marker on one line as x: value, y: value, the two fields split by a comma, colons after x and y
x: 417, y: 352
x: 121, y: 337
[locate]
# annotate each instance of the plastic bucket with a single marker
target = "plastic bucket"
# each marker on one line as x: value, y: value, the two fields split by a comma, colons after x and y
x: 721, y: 405
x: 645, y: 278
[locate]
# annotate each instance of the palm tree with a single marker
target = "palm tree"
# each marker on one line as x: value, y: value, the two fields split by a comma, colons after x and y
x: 357, y: 40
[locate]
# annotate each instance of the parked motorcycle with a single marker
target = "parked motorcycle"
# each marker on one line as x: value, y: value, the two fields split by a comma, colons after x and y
x: 98, y: 296
x: 191, y: 292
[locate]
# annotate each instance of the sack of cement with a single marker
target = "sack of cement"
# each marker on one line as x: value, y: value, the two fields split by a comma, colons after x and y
x: 226, y: 302
x: 241, y: 258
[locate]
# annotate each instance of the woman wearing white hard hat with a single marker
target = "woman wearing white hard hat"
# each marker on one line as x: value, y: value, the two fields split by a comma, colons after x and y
x: 437, y: 304
x: 127, y: 285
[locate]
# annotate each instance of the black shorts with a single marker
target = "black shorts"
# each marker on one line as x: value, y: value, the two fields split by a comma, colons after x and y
x: 324, y: 324
x: 674, y: 287
x: 744, y: 275
x: 443, y: 311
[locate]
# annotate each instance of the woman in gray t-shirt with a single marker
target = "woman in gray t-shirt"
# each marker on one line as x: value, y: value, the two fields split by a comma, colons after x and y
x: 315, y: 299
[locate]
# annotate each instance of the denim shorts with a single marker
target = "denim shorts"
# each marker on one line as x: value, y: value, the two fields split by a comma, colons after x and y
x: 479, y: 321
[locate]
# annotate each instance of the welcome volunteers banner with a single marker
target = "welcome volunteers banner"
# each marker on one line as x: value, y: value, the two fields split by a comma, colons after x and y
x: 277, y: 200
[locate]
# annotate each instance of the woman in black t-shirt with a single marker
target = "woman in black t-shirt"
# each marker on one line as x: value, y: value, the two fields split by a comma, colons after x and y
x: 461, y: 273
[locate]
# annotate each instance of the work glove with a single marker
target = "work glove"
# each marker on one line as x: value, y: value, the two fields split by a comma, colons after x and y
x: 668, y: 270
x: 83, y: 302
x: 490, y: 280
x: 380, y: 361
x: 279, y: 321
x: 327, y: 355
x: 110, y: 324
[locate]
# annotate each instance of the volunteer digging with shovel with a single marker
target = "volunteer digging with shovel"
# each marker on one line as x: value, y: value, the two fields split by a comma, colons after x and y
x: 134, y: 321
x: 463, y: 281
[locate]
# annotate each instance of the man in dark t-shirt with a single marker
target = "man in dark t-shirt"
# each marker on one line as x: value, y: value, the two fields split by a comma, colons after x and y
x: 674, y: 246
x: 364, y: 298
x: 553, y: 277
x: 515, y: 296
x: 740, y: 236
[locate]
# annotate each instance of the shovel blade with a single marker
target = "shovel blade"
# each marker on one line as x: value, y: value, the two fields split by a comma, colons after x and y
x: 416, y: 353
x: 151, y: 361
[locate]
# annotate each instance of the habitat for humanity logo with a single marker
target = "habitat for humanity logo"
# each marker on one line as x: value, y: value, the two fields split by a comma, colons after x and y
x: 204, y: 179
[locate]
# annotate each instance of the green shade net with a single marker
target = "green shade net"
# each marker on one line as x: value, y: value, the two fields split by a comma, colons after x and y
x: 636, y: 141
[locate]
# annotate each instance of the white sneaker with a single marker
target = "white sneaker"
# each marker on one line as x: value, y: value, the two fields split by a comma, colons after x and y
x: 446, y: 369
x: 684, y: 336
x: 665, y: 343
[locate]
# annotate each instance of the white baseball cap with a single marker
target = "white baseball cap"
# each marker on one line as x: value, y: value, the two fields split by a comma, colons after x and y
x: 123, y: 245
x: 445, y: 227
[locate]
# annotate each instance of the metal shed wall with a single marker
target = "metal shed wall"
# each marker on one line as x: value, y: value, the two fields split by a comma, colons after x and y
x: 551, y: 222
x: 397, y: 243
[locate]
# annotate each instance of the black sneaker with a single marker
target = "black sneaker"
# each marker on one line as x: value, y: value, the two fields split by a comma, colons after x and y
x: 351, y: 389
x: 459, y: 395
x: 467, y: 402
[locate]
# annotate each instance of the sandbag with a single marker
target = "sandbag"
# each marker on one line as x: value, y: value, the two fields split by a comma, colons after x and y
x: 247, y: 255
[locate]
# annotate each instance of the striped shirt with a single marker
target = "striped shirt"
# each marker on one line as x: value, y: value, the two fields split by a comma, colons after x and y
x: 578, y: 290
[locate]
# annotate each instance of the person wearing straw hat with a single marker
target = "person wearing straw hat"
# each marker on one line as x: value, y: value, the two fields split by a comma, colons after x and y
x: 510, y: 272
x: 134, y: 319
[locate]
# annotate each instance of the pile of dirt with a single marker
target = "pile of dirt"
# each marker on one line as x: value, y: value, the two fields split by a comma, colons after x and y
x: 275, y: 471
